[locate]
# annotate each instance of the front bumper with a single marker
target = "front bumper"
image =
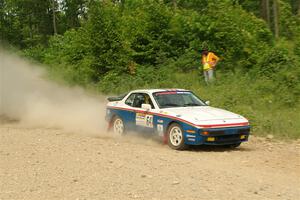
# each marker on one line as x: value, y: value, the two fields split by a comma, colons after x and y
x: 220, y: 136
x: 226, y: 136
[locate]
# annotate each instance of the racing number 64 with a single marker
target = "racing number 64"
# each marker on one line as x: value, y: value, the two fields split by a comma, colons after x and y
x: 149, y: 119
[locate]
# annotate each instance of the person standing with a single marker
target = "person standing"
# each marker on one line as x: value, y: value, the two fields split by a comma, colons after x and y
x: 209, y: 62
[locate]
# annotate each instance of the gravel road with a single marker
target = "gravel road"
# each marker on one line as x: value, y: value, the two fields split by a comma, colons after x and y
x: 40, y: 163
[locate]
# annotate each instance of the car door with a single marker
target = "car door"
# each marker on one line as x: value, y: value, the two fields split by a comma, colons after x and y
x: 143, y: 119
x: 129, y: 118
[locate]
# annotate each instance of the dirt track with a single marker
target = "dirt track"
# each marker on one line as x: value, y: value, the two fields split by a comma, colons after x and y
x: 52, y: 164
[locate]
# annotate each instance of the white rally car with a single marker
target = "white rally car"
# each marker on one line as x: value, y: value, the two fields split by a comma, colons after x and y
x: 178, y: 116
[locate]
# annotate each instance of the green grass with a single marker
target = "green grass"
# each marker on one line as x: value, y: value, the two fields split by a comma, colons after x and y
x: 256, y: 100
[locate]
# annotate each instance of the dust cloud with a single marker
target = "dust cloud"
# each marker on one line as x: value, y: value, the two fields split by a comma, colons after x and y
x: 25, y: 95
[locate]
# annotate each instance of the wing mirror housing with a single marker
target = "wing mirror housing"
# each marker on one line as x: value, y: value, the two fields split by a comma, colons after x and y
x: 146, y: 107
x: 207, y: 102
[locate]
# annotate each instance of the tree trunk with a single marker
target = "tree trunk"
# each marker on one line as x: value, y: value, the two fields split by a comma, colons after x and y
x: 174, y: 4
x: 298, y: 8
x: 276, y: 18
x: 54, y: 17
x: 268, y: 12
x: 265, y: 11
x: 30, y: 27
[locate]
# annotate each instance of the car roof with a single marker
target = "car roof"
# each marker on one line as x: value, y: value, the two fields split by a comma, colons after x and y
x: 158, y: 90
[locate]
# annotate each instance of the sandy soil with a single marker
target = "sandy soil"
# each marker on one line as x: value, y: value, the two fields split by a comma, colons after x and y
x: 53, y: 164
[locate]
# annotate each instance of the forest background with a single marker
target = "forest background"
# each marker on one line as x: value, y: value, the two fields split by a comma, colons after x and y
x: 113, y: 46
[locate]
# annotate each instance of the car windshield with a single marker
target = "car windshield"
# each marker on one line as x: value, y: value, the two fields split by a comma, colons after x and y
x: 170, y: 99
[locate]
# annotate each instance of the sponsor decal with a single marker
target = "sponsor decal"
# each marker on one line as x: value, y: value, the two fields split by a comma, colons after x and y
x: 190, y: 131
x: 163, y: 112
x: 160, y: 121
x: 163, y: 93
x: 183, y: 92
x: 140, y: 116
x: 160, y: 129
x: 192, y: 136
x: 172, y: 92
x: 144, y: 120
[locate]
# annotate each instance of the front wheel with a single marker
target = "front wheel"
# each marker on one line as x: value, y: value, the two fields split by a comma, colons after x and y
x: 175, y: 137
x: 118, y: 126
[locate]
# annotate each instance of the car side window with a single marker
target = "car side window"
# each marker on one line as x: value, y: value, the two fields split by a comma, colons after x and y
x: 148, y: 100
x: 137, y: 99
x: 130, y: 99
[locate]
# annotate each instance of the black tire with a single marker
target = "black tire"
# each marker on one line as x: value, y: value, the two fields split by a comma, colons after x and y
x: 176, y: 137
x: 118, y: 126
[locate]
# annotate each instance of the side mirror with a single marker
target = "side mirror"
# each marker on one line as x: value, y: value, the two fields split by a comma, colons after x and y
x: 146, y: 107
x: 207, y: 102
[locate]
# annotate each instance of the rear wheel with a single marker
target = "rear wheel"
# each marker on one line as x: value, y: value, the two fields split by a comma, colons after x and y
x: 118, y: 127
x: 175, y: 137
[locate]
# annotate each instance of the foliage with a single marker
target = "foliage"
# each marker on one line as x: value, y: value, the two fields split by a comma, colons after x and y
x: 116, y: 46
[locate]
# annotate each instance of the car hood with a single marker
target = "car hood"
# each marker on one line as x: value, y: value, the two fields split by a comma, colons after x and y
x: 205, y: 115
